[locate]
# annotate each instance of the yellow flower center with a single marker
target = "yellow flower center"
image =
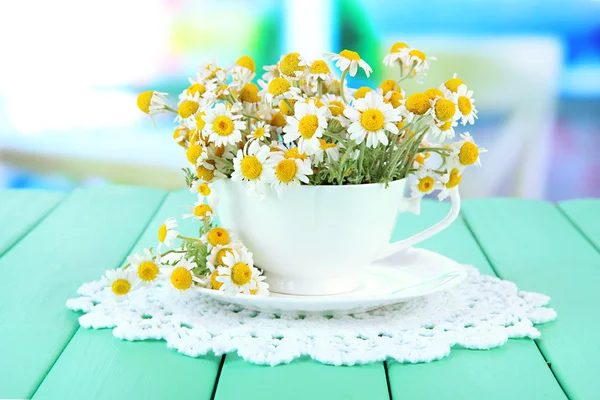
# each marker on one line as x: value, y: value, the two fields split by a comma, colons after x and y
x: 444, y: 109
x: 286, y: 170
x: 418, y: 103
x: 334, y: 87
x: 362, y: 92
x: 258, y: 132
x: 396, y: 47
x: 426, y: 184
x: 204, y: 173
x: 285, y: 109
x: 218, y: 236
x: 421, y: 157
x: 223, y: 126
x: 214, y: 283
x: 336, y: 107
x: 181, y: 278
x: 372, y: 119
x: 147, y: 271
x: 249, y: 93
x: 395, y: 99
x: 319, y: 67
x: 316, y: 101
x: 350, y: 55
x: 453, y: 84
x: 204, y: 189
x: 468, y: 153
x: 433, y: 93
x: 307, y: 126
x: 387, y: 85
x: 294, y: 153
x: 196, y: 88
x: 202, y: 210
x: 162, y: 233
x: 278, y: 86
x: 446, y: 126
x: 454, y: 179
x: 278, y: 120
x: 241, y: 274
x: 187, y: 108
x: 144, y: 99
x: 251, y: 167
x: 180, y: 133
x: 246, y: 62
x: 121, y: 287
x: 289, y: 64
x: 324, y: 145
x: 419, y: 54
x: 200, y: 121
x: 222, y: 253
x: 193, y: 152
x: 464, y: 105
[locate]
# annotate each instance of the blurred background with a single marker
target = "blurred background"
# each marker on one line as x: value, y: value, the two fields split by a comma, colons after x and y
x: 71, y: 71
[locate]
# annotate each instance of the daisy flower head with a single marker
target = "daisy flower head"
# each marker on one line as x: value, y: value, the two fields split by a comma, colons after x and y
x: 415, y: 61
x: 262, y: 287
x: 442, y: 130
x: 211, y: 72
x: 203, y: 88
x: 200, y: 211
x: 272, y: 72
x: 307, y: 124
x: 216, y: 236
x: 249, y: 94
x: 395, y: 98
x: 204, y: 190
x: 466, y: 152
x: 237, y: 273
x: 449, y: 180
x: 466, y: 106
x: 424, y: 182
x: 348, y: 60
x: 292, y: 66
x: 196, y: 153
x: 120, y: 281
x: 151, y: 102
x: 332, y: 151
x: 215, y: 256
x: 278, y: 89
x: 247, y: 63
x: 416, y: 105
x: 223, y: 127
x: 188, y: 107
x: 320, y: 70
x: 452, y: 85
x: 396, y: 55
x: 260, y: 131
x: 252, y: 165
x: 180, y: 275
x: 167, y: 233
x: 290, y: 171
x: 371, y: 118
x: 444, y: 110
x: 146, y: 266
x: 181, y: 135
x: 361, y: 92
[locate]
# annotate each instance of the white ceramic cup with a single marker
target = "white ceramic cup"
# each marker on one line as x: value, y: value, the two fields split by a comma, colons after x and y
x: 315, y: 240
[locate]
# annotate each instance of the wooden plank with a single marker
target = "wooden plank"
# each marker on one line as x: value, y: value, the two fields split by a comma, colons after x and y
x: 585, y: 214
x: 96, y: 364
x: 92, y: 229
x: 516, y: 370
x: 20, y: 210
x: 534, y: 245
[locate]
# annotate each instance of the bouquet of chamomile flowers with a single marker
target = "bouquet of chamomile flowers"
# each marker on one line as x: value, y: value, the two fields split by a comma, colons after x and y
x: 299, y: 124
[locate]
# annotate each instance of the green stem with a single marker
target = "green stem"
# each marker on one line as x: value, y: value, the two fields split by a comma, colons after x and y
x: 189, y: 239
x: 162, y: 255
x: 251, y: 116
x: 342, y: 79
x: 171, y: 109
x: 289, y: 105
x: 320, y: 86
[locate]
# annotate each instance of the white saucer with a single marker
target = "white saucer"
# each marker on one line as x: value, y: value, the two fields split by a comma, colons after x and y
x: 397, y: 278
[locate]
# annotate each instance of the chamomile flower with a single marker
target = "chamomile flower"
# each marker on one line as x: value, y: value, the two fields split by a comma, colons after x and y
x: 395, y: 98
x: 443, y: 110
x: 347, y: 60
x: 146, y: 266
x: 262, y: 287
x: 196, y: 153
x: 204, y: 88
x: 211, y: 72
x: 336, y: 107
x: 320, y: 70
x: 424, y: 183
x: 466, y: 106
x: 466, y: 151
x: 332, y: 151
x: 180, y: 275
x: 307, y: 124
x: 416, y: 61
x: 451, y: 86
x: 277, y: 89
x: 181, y: 135
x: 290, y: 171
x: 151, y: 102
x: 248, y: 94
x: 416, y: 105
x: 252, y: 166
x: 449, y: 180
x: 204, y: 191
x: 200, y: 211
x: 260, y: 131
x: 272, y: 72
x: 223, y: 127
x: 216, y: 236
x: 442, y: 130
x: 120, y: 281
x: 371, y: 119
x: 292, y: 66
x: 238, y: 274
x: 396, y: 55
x: 167, y: 233
x: 215, y: 257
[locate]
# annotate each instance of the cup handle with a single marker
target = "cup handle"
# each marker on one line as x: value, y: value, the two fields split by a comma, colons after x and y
x: 413, y: 205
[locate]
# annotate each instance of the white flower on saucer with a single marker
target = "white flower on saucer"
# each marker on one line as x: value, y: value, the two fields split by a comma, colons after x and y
x: 121, y: 281
x: 238, y: 273
x: 180, y: 276
x: 146, y: 267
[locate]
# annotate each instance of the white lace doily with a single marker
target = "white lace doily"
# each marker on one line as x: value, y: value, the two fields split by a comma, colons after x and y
x: 481, y: 313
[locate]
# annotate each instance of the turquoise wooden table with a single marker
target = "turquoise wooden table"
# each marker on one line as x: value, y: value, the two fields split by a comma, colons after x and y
x: 50, y: 243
